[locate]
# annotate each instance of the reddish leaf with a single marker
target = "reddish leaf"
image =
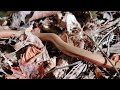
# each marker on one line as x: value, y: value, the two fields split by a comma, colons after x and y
x: 17, y: 74
x: 116, y: 57
x: 41, y: 70
x: 98, y: 73
x: 64, y: 37
x: 30, y: 52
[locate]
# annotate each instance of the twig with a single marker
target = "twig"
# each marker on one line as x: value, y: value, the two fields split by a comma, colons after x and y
x: 91, y: 17
x: 73, y: 71
x: 103, y: 38
x: 104, y: 70
x: 61, y: 67
x: 106, y: 35
x: 109, y: 61
x: 114, y: 23
x: 105, y: 54
x: 105, y: 29
x: 81, y: 71
x: 108, y: 48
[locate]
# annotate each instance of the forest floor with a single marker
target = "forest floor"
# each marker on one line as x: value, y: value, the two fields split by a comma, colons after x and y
x: 85, y: 44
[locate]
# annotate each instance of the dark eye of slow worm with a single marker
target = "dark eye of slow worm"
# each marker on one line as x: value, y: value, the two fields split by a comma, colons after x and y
x: 68, y: 49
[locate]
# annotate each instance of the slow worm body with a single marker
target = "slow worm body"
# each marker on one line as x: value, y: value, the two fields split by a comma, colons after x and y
x: 68, y: 49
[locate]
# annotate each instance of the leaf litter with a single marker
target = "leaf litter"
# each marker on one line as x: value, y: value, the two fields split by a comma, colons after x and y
x: 25, y: 56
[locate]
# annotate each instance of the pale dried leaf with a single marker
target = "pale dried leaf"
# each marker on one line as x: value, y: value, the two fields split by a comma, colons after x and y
x: 114, y: 48
x: 51, y: 64
x: 75, y: 71
x: 42, y: 14
x: 60, y: 73
x: 91, y: 75
x: 71, y: 22
x: 4, y: 28
x: 27, y: 69
x: 18, y: 17
x: 29, y: 38
x: 11, y: 56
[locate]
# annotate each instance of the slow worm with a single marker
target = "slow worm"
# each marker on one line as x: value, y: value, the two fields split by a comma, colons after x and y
x: 67, y: 49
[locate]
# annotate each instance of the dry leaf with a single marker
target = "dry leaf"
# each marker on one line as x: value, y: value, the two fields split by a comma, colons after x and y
x: 18, y: 17
x: 91, y: 75
x: 41, y: 71
x: 32, y: 70
x: 60, y: 73
x: 71, y: 22
x: 114, y: 48
x: 51, y: 64
x: 98, y: 73
x: 75, y: 71
x: 17, y: 74
x: 30, y: 53
x: 115, y: 57
x: 42, y: 14
x: 4, y: 28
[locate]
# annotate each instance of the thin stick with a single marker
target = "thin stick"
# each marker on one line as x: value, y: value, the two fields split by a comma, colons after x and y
x: 81, y: 72
x: 106, y: 35
x: 105, y: 54
x: 61, y: 67
x: 73, y: 71
x: 109, y: 61
x: 108, y: 48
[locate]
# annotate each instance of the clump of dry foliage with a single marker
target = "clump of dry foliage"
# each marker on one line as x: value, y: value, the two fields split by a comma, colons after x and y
x: 25, y: 56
